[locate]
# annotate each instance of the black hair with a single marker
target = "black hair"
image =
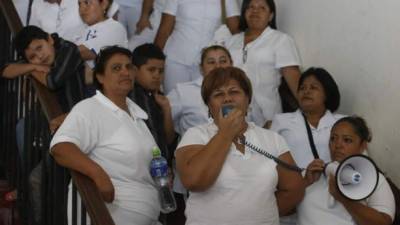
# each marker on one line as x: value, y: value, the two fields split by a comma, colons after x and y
x: 108, y: 7
x: 331, y: 89
x: 359, y: 126
x: 143, y: 53
x: 102, y: 58
x: 25, y: 36
x: 245, y: 5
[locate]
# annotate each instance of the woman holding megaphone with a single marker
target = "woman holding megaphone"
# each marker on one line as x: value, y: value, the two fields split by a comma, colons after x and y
x: 349, y: 136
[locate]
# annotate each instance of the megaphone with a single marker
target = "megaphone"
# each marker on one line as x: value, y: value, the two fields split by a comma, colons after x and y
x: 356, y: 177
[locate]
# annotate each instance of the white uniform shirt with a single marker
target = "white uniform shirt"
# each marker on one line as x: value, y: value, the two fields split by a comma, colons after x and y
x: 314, y: 209
x: 120, y: 144
x: 130, y: 3
x: 293, y: 128
x: 187, y: 106
x: 105, y: 33
x: 244, y: 192
x: 262, y: 59
x: 195, y: 24
x: 60, y: 18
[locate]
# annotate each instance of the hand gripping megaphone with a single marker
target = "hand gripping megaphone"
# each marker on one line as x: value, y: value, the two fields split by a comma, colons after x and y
x: 356, y: 177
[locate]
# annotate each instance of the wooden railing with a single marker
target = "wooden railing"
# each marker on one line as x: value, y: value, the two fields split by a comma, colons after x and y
x: 89, y: 193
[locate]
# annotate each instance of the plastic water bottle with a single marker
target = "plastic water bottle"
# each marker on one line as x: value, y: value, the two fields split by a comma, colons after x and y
x: 159, y: 172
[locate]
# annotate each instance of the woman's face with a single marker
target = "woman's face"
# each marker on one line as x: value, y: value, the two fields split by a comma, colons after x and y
x: 345, y: 142
x: 229, y: 94
x: 215, y: 59
x: 258, y: 15
x: 311, y: 95
x: 118, y: 75
x: 92, y: 11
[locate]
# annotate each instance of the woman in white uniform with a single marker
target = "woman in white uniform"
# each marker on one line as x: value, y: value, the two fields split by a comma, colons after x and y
x: 101, y: 31
x: 265, y: 54
x: 188, y: 109
x: 105, y: 138
x: 186, y: 28
x: 228, y: 182
x: 349, y: 136
x: 319, y: 98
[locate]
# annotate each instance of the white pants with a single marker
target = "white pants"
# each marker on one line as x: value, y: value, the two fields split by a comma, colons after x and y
x: 128, y: 16
x: 179, y: 73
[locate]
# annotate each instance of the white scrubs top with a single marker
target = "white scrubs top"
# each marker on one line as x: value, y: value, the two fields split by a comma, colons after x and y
x: 195, y: 24
x: 262, y: 59
x: 121, y: 144
x: 188, y: 108
x: 293, y: 128
x: 105, y: 33
x: 244, y: 192
x: 315, y: 210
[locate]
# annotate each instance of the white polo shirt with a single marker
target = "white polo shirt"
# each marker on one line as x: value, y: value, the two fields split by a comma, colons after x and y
x: 244, y: 192
x: 120, y: 144
x: 314, y: 209
x: 60, y: 18
x: 195, y: 24
x: 188, y: 108
x: 292, y: 127
x: 105, y: 33
x: 262, y: 59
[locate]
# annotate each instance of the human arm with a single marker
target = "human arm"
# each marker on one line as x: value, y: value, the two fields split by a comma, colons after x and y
x: 144, y: 20
x: 69, y: 155
x: 313, y: 172
x: 56, y: 122
x: 363, y: 214
x: 291, y: 186
x: 291, y: 74
x: 165, y: 29
x: 199, y: 165
x: 86, y: 53
x: 14, y: 70
x: 232, y: 14
x: 233, y: 24
x: 169, y: 130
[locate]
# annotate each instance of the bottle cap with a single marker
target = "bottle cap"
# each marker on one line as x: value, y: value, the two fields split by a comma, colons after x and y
x: 156, y: 151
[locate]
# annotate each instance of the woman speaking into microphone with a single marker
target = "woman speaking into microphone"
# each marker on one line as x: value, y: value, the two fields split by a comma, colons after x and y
x: 228, y: 182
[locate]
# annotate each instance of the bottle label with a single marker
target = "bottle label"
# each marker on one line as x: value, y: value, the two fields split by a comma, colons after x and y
x: 160, y: 170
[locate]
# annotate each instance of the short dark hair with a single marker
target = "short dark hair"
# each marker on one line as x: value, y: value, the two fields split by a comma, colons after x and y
x: 143, y: 53
x: 220, y: 76
x: 245, y: 5
x: 331, y: 89
x: 359, y: 126
x: 102, y: 58
x: 25, y: 36
x: 205, y: 51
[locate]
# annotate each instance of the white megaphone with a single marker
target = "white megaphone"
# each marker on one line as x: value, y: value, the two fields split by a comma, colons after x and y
x: 356, y: 177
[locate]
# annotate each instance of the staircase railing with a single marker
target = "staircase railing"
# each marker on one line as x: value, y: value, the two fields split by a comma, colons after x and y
x: 23, y: 105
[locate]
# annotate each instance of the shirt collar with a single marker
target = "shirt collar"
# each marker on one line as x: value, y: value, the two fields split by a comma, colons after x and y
x: 326, y: 120
x: 265, y: 32
x: 134, y: 109
x: 198, y: 81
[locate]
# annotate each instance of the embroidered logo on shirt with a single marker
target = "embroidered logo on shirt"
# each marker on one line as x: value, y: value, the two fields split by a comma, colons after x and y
x: 91, y: 34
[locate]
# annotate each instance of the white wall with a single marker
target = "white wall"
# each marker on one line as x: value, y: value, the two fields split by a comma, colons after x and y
x: 358, y: 42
